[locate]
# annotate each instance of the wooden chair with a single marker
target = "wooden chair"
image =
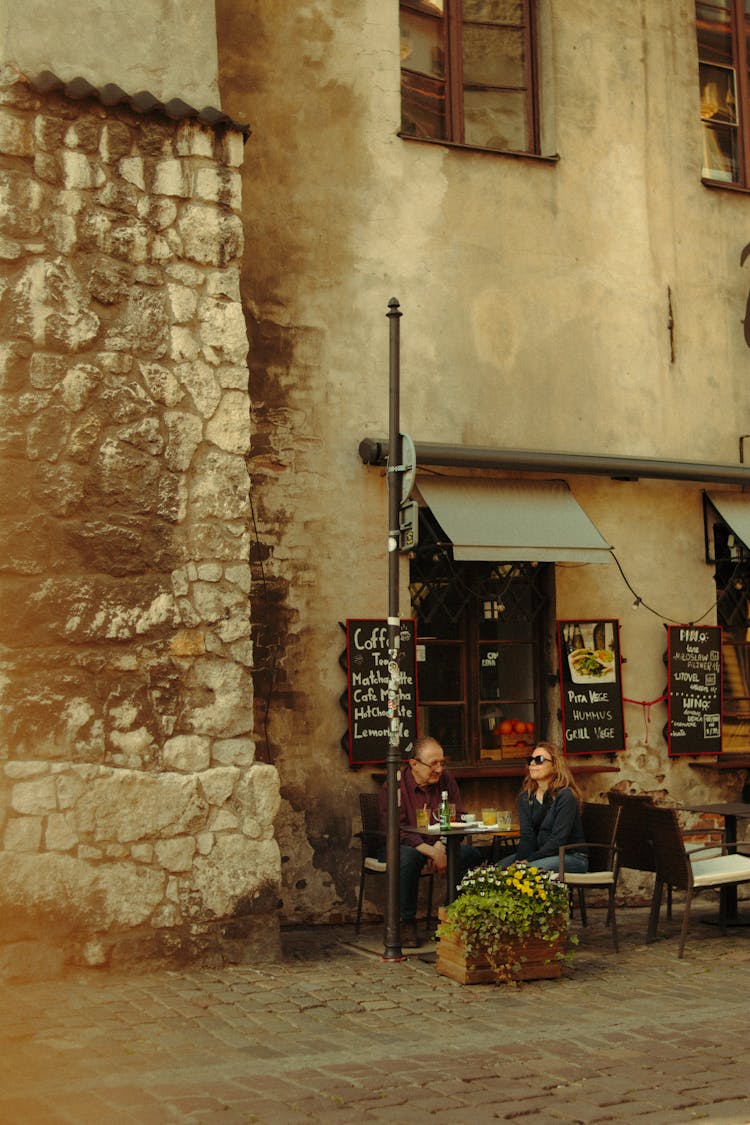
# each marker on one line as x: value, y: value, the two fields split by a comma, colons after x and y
x: 600, y: 832
x: 372, y: 839
x: 689, y: 871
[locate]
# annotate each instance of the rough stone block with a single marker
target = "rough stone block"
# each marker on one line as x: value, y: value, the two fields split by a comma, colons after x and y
x: 233, y: 751
x: 129, y: 806
x: 209, y: 237
x: 74, y: 895
x: 23, y: 834
x: 16, y: 134
x: 194, y: 139
x: 227, y: 687
x: 79, y: 172
x: 229, y: 427
x: 171, y: 177
x: 236, y: 869
x: 218, y: 784
x: 35, y: 797
x: 257, y: 793
x: 200, y: 382
x: 187, y: 753
x: 176, y: 854
x: 60, y: 834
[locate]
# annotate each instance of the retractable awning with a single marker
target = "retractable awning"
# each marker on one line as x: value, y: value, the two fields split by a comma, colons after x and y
x: 512, y: 520
x: 734, y: 509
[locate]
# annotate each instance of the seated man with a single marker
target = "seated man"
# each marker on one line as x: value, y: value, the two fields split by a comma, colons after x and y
x: 423, y: 779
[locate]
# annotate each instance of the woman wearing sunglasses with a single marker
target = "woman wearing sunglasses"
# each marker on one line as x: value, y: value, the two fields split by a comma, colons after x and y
x: 549, y: 813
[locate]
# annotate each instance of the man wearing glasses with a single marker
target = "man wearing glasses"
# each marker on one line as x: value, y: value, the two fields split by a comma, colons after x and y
x: 423, y: 779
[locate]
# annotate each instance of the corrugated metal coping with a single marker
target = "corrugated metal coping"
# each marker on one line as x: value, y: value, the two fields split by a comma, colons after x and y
x: 143, y: 102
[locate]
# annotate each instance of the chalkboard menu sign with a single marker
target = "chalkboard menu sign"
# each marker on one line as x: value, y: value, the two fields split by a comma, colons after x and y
x: 591, y: 686
x: 367, y: 674
x: 694, y: 689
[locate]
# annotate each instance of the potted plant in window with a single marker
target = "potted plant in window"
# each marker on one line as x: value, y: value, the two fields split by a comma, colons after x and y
x: 505, y: 924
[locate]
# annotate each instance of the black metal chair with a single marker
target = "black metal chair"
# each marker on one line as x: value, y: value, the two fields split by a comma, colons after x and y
x: 372, y: 839
x: 633, y: 840
x: 600, y: 832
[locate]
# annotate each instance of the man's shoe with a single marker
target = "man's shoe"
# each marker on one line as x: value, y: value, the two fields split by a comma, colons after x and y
x: 409, y: 936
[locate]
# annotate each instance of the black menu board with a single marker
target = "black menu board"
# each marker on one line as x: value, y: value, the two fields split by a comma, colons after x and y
x: 591, y: 686
x: 694, y: 689
x: 368, y: 676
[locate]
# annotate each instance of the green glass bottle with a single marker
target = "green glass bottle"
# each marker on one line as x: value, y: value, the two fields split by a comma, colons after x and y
x: 445, y: 811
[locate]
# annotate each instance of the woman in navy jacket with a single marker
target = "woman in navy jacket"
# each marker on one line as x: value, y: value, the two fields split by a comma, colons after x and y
x: 549, y: 813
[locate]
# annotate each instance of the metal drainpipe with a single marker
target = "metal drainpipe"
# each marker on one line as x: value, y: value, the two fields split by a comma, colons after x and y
x: 374, y: 451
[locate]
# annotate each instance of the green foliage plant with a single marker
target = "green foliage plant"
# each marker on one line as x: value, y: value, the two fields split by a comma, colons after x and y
x: 498, y: 910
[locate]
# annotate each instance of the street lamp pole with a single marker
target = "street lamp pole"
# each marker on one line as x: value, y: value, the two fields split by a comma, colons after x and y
x: 392, y: 951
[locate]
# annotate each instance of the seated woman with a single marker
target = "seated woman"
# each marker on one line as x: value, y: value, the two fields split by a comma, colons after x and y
x: 549, y: 813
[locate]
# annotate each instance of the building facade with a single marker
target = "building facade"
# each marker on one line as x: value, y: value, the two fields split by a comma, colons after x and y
x: 555, y: 196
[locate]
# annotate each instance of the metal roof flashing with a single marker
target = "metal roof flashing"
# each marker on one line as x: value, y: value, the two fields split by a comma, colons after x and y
x: 143, y: 102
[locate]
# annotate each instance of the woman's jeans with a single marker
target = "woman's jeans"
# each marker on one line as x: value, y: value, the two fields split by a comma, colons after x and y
x: 575, y: 862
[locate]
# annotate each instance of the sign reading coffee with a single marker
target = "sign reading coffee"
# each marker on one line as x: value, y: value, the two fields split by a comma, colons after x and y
x: 591, y: 686
x: 694, y: 689
x: 367, y: 659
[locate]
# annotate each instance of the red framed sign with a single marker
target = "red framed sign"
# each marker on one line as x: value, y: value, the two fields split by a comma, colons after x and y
x: 367, y: 687
x: 591, y: 686
x: 694, y: 689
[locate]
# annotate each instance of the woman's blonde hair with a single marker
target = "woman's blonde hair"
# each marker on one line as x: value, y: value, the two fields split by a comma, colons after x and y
x: 562, y: 778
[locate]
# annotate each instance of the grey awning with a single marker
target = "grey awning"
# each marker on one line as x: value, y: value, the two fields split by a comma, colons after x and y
x: 734, y: 509
x: 513, y: 520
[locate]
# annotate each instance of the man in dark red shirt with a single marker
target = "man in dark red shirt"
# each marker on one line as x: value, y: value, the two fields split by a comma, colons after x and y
x: 423, y: 779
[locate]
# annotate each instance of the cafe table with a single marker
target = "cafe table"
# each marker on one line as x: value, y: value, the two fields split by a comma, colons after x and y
x: 731, y: 811
x: 453, y: 837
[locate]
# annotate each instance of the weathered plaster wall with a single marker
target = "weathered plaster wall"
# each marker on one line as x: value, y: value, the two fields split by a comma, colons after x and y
x: 135, y: 819
x: 536, y: 315
x: 167, y: 47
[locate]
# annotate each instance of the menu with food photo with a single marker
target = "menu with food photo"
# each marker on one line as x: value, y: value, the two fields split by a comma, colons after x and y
x: 590, y: 686
x: 590, y: 650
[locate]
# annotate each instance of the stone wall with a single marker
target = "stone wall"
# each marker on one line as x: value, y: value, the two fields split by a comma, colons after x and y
x: 135, y: 820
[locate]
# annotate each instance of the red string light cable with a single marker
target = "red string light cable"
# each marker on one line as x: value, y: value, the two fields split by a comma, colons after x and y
x: 646, y: 704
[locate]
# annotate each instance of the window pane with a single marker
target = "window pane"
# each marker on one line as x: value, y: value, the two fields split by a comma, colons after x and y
x: 493, y: 11
x: 506, y: 672
x: 718, y: 98
x: 422, y: 44
x: 493, y: 56
x: 446, y: 724
x: 422, y: 107
x: 496, y: 119
x: 440, y: 673
x: 720, y: 153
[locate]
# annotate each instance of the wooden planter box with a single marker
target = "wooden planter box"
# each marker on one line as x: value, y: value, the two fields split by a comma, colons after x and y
x: 537, y: 960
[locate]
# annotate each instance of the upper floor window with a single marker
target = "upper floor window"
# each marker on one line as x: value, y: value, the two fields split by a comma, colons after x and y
x: 468, y: 73
x: 723, y: 27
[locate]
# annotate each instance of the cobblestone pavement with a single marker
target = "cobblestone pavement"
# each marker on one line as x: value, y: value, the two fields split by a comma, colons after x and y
x: 333, y: 1034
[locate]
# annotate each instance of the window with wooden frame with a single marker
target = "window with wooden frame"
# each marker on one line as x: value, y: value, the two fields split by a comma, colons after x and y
x: 723, y: 27
x: 469, y: 73
x: 480, y: 641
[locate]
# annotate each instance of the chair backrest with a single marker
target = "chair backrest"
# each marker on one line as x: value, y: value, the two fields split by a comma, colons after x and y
x: 373, y: 836
x: 599, y: 827
x: 671, y: 861
x: 632, y: 833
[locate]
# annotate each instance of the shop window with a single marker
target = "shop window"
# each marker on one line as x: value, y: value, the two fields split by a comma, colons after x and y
x: 722, y: 30
x: 468, y: 73
x: 481, y: 631
x: 732, y: 578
